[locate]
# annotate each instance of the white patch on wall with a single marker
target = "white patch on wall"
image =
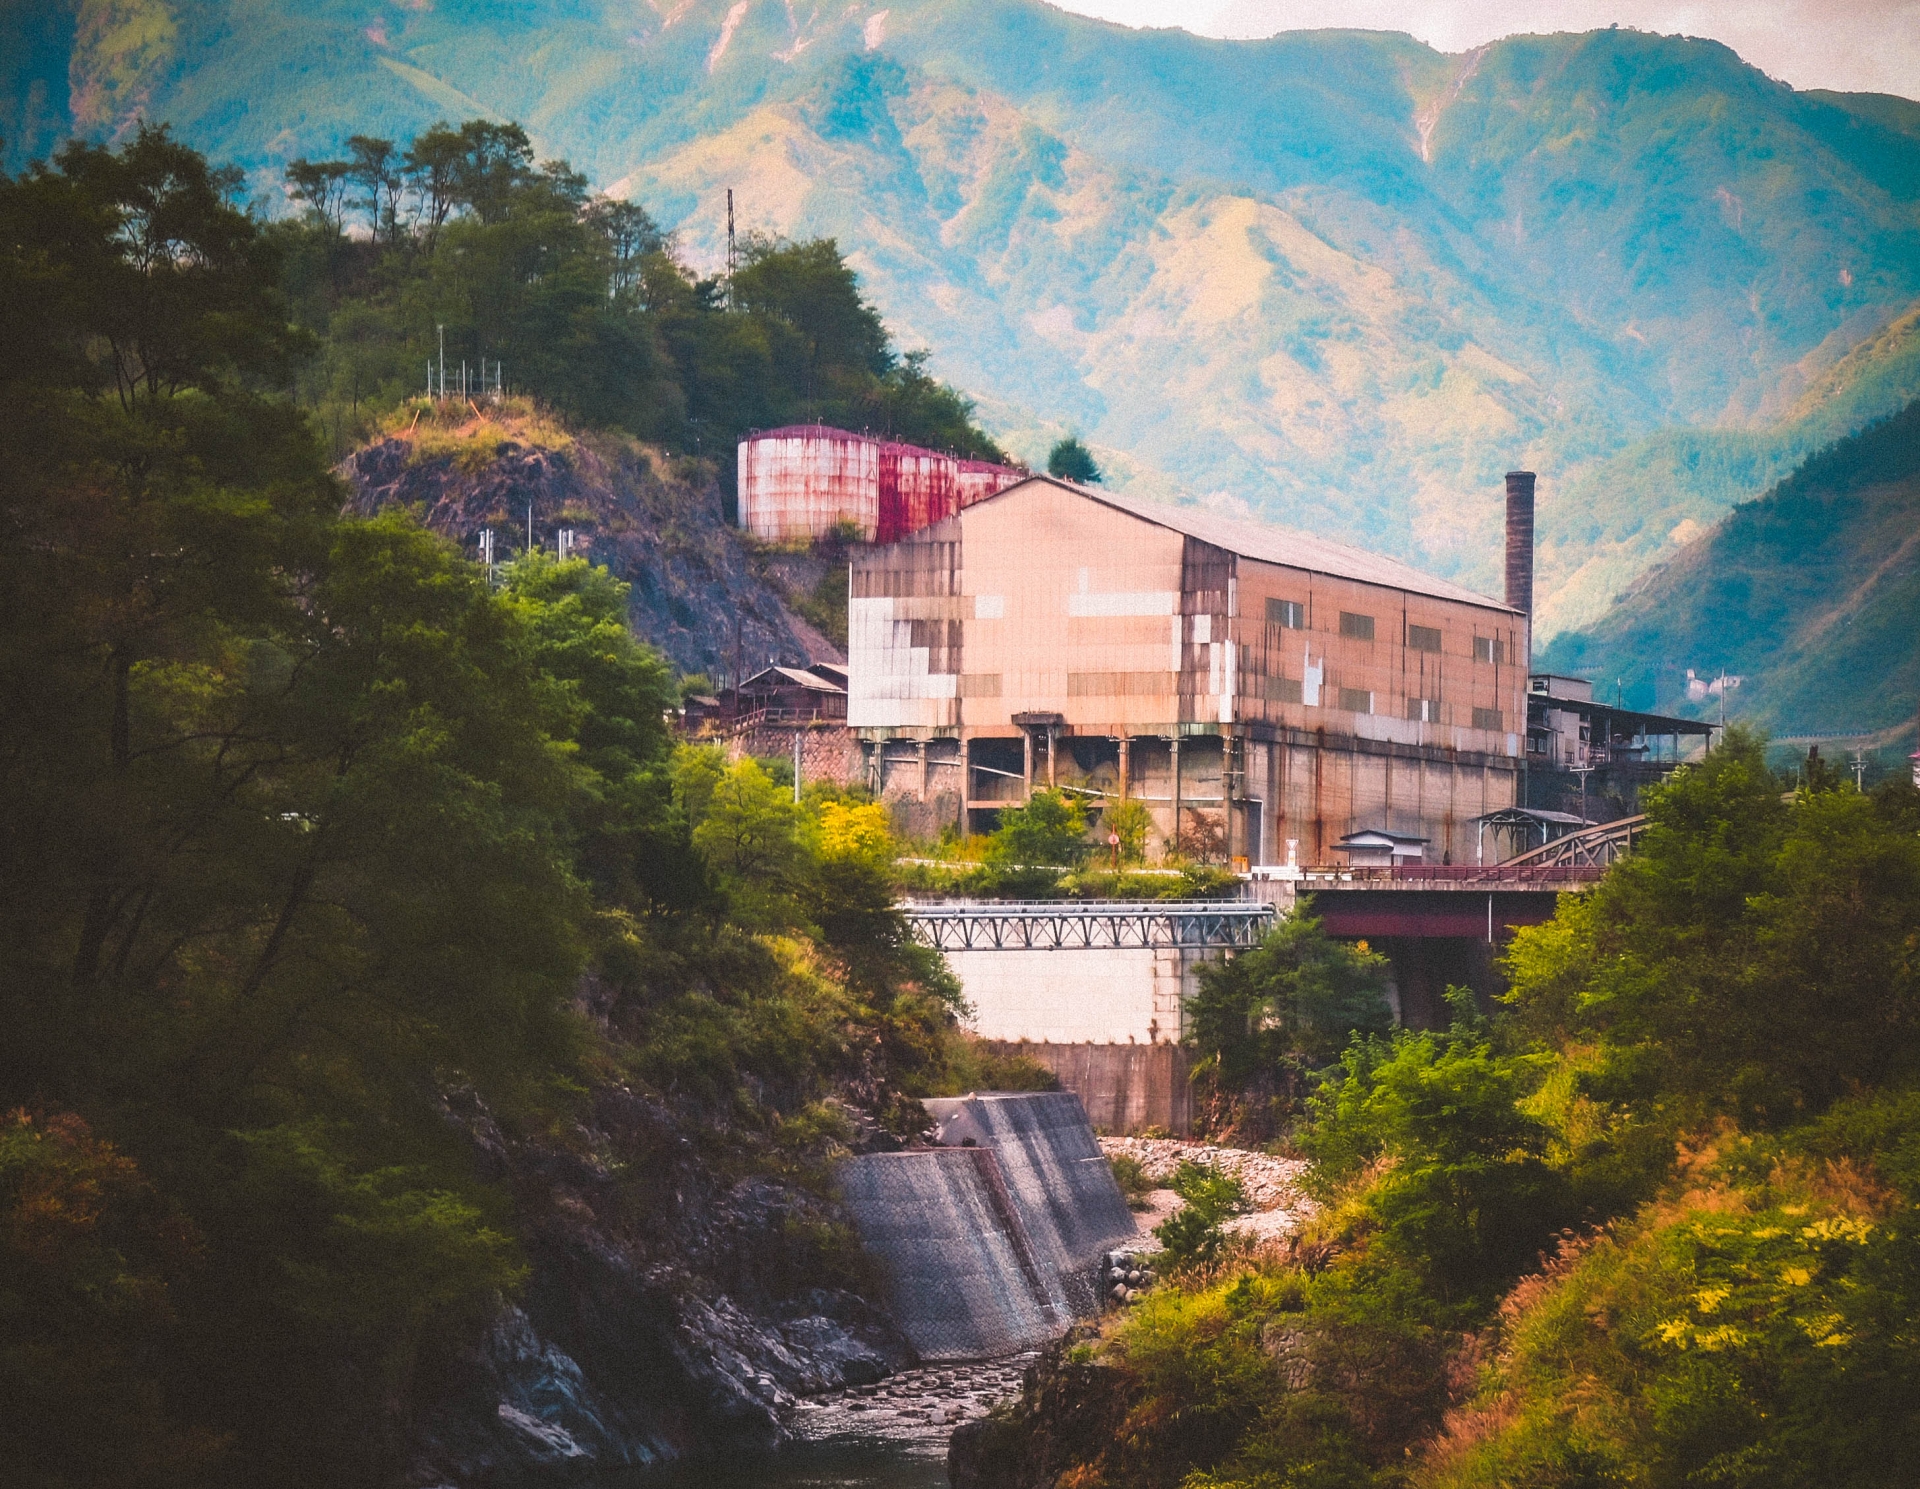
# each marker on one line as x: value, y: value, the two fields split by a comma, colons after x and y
x: 890, y: 684
x: 1311, y: 677
x: 1174, y: 665
x: 1202, y: 628
x: 1228, y: 661
x: 989, y: 607
x: 1122, y: 602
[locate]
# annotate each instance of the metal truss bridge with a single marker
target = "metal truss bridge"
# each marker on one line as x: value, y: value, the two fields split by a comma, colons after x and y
x: 1098, y: 925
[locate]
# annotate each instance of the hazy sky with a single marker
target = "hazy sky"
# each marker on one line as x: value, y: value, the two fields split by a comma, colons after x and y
x: 1870, y: 46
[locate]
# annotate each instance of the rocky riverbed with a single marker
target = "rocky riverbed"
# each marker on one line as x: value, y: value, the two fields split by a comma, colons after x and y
x: 1272, y: 1185
x: 921, y: 1405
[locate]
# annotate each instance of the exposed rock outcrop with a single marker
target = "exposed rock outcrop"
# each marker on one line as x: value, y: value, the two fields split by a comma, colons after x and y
x: 1069, y: 1412
x: 701, y: 594
x: 668, y: 1311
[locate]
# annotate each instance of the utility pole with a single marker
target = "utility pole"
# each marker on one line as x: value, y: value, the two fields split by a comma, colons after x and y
x: 796, y: 765
x: 443, y: 359
x: 732, y: 252
x: 529, y: 524
x: 1584, y: 769
x: 1859, y: 770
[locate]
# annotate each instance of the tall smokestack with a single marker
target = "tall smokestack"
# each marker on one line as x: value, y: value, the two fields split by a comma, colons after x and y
x: 1520, y: 541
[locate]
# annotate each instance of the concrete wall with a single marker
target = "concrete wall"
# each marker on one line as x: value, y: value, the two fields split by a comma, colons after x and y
x: 1125, y: 1088
x: 993, y: 1246
x: 1076, y: 996
x: 963, y: 1281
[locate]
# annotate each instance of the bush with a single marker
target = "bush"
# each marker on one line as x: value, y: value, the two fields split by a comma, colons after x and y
x: 1193, y: 1234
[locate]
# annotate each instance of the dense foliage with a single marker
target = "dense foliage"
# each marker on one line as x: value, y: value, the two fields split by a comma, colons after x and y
x: 316, y: 840
x: 1653, y: 1223
x: 1263, y: 1023
x: 458, y: 245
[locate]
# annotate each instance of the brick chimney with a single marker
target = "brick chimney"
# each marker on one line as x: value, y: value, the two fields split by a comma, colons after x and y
x: 1520, y: 541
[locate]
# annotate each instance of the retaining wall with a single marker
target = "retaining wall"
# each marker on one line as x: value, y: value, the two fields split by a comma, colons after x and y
x: 991, y: 1243
x: 1125, y: 1088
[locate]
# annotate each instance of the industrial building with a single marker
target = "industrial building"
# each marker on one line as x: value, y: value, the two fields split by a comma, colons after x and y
x: 1265, y: 693
x: 809, y: 481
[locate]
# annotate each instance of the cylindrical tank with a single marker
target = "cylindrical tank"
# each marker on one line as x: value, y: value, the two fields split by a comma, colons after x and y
x: 917, y: 489
x: 798, y: 483
x: 979, y: 479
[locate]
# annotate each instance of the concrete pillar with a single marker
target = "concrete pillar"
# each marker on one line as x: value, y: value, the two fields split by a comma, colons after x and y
x: 1053, y: 745
x: 1026, y: 764
x: 1124, y: 742
x: 923, y: 770
x: 1226, y: 796
x: 1176, y: 793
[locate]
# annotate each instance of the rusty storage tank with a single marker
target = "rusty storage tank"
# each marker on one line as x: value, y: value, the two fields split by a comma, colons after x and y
x: 798, y: 483
x: 976, y: 480
x: 917, y: 489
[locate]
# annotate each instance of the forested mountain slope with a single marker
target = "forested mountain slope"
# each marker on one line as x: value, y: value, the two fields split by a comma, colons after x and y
x: 1337, y: 276
x: 1810, y: 595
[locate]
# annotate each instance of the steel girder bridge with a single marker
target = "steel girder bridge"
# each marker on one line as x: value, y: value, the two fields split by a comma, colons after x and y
x: 1110, y: 925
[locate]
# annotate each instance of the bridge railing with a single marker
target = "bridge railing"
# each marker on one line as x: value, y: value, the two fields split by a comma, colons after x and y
x: 1062, y: 925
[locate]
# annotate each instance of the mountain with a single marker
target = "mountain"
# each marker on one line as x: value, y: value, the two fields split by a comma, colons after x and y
x: 1337, y: 279
x: 1809, y: 595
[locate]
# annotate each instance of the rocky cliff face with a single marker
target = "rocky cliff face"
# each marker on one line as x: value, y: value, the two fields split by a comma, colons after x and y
x: 667, y: 1311
x: 1068, y: 1412
x: 701, y: 594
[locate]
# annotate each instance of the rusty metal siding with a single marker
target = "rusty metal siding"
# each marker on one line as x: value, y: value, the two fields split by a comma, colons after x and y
x: 1044, y: 602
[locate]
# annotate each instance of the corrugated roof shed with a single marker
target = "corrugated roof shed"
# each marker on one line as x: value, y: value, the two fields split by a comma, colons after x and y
x: 1278, y: 545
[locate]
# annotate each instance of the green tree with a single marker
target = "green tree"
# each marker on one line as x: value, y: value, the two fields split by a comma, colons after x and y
x: 1050, y: 830
x: 1069, y: 460
x: 1465, y: 1198
x: 1291, y: 1003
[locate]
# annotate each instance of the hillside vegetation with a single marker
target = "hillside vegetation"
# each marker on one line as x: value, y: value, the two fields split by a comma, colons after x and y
x: 1335, y: 276
x: 1809, y: 595
x: 1653, y: 1222
x: 401, y: 1032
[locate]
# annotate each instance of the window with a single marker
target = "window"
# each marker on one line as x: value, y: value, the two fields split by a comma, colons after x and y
x: 1289, y: 613
x: 1489, y: 719
x: 1423, y: 638
x: 1489, y: 649
x: 1360, y: 627
x: 1356, y: 700
x: 1282, y: 690
x: 1424, y: 710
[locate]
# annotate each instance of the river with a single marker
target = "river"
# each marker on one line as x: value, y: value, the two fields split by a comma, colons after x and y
x: 887, y: 1436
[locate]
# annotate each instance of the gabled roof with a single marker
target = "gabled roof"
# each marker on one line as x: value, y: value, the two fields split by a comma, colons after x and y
x: 1374, y: 837
x: 774, y: 676
x: 1275, y: 545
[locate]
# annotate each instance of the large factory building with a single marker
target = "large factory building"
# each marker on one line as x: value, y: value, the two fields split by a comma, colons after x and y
x: 1268, y: 695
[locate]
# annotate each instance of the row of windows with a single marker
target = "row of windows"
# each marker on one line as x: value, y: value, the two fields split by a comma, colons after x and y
x: 1291, y: 615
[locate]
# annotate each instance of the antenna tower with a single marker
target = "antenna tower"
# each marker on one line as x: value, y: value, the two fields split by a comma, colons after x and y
x: 733, y: 252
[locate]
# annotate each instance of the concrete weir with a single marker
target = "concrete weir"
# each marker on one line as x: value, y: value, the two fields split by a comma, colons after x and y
x: 991, y: 1242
